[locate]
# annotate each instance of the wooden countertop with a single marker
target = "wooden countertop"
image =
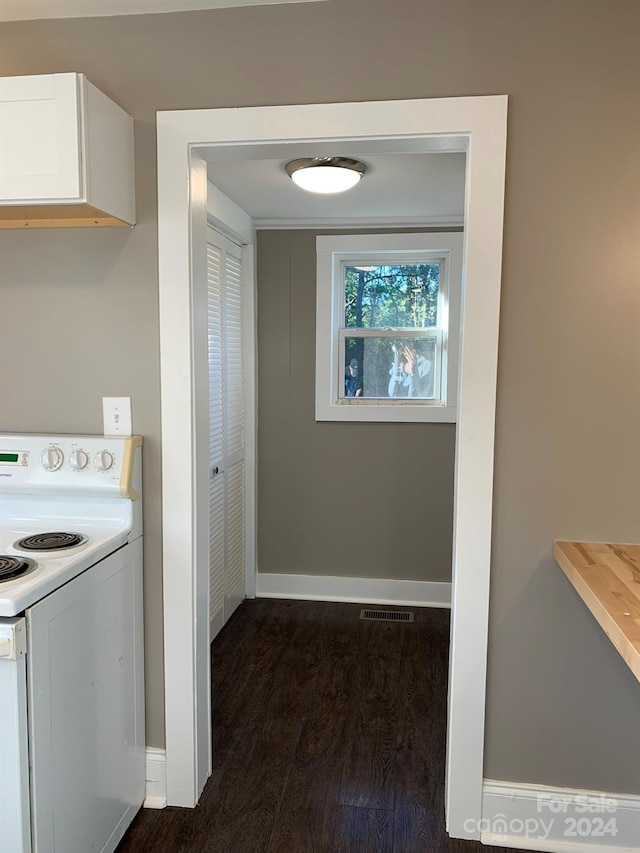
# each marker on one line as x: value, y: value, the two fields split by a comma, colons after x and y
x: 607, y: 578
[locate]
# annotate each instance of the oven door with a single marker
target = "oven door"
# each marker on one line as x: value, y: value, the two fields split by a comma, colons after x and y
x: 15, y: 832
x: 86, y: 707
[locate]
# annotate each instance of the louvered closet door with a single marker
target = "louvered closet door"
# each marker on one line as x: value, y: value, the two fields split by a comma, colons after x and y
x: 226, y: 430
x: 216, y: 440
x: 234, y: 444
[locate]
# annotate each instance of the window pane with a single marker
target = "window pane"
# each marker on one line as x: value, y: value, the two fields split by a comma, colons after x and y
x: 390, y: 367
x: 399, y: 296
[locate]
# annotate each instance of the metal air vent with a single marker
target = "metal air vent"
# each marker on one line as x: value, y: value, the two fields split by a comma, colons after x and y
x: 386, y: 615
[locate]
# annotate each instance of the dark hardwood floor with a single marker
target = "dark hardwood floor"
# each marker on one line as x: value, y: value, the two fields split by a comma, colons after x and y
x: 328, y: 737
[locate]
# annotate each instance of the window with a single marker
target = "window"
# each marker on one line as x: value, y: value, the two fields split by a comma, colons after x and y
x: 387, y: 327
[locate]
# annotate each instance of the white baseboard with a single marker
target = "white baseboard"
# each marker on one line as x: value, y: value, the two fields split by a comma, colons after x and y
x: 361, y: 590
x: 559, y: 820
x: 156, y: 776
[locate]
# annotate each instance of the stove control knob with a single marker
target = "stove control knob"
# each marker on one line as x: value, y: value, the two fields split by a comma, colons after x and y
x: 103, y: 460
x: 51, y: 458
x: 78, y: 460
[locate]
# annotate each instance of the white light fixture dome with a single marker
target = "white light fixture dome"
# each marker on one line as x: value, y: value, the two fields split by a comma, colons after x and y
x: 325, y: 175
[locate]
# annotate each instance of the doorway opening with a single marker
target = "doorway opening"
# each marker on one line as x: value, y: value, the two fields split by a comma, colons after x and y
x: 185, y: 141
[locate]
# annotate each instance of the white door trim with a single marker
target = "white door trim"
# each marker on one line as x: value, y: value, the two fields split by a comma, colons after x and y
x: 476, y: 123
x: 250, y: 329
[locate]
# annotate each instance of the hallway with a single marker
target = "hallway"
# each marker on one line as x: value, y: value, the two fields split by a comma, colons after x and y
x: 328, y: 737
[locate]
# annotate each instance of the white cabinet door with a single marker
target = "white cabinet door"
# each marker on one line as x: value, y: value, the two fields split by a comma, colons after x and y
x: 40, y: 138
x: 227, y: 516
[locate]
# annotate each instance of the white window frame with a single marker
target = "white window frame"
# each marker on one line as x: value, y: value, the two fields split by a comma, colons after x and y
x: 333, y: 252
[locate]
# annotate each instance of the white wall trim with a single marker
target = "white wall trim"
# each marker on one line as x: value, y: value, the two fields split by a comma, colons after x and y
x: 476, y: 124
x: 379, y: 222
x: 361, y: 590
x: 181, y: 583
x: 156, y: 779
x: 225, y: 216
x: 559, y: 820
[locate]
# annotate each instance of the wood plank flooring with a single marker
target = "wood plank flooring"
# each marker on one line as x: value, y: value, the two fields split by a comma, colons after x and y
x: 328, y: 737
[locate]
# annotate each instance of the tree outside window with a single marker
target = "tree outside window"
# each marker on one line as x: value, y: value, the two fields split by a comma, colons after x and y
x: 398, y: 297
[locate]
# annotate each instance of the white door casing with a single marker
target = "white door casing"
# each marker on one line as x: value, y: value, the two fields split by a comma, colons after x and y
x: 185, y: 140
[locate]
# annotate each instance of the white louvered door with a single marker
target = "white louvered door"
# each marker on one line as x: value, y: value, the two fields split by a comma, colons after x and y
x: 216, y: 439
x: 226, y: 430
x: 234, y: 448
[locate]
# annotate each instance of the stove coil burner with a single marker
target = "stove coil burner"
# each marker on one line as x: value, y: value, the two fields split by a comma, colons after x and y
x: 50, y: 541
x: 14, y: 567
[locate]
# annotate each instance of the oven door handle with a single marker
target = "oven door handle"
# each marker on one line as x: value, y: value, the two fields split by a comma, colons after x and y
x: 13, y: 639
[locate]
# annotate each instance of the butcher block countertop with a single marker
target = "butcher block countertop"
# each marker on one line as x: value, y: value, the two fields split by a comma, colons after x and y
x: 607, y: 578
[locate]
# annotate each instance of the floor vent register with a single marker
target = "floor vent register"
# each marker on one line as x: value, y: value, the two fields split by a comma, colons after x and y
x: 386, y: 615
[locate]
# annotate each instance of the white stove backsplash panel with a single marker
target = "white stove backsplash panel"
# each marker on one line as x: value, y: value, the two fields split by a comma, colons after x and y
x: 41, y: 464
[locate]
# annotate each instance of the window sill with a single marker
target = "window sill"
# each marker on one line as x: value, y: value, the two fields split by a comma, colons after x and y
x: 388, y: 413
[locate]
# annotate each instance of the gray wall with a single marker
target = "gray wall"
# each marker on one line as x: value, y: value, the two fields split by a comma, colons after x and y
x: 562, y: 707
x: 79, y: 321
x: 361, y: 500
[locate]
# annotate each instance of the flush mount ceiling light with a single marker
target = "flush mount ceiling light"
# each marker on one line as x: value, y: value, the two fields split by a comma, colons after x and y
x: 325, y: 174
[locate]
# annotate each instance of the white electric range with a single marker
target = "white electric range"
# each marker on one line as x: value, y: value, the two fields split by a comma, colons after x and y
x: 72, y: 744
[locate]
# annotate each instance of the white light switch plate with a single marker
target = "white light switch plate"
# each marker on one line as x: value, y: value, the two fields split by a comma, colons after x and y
x: 116, y: 415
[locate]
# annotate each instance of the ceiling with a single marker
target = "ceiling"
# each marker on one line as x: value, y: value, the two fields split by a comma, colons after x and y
x: 402, y: 189
x: 25, y: 10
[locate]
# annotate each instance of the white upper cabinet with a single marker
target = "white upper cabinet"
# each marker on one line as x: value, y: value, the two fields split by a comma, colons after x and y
x: 66, y: 154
